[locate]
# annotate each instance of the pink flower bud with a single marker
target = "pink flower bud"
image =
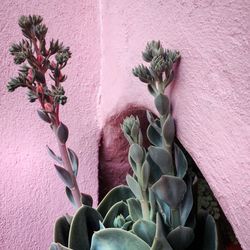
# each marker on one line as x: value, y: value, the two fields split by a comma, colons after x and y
x: 30, y: 75
x: 39, y: 89
x: 39, y: 58
x: 48, y: 107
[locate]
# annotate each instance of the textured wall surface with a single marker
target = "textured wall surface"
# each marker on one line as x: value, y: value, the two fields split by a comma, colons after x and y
x: 211, y: 97
x: 211, y: 102
x: 32, y: 196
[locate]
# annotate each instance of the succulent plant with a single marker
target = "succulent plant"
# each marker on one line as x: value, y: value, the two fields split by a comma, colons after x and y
x: 155, y: 210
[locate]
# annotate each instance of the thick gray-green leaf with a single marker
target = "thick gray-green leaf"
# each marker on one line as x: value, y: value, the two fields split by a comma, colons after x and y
x: 155, y: 171
x: 180, y: 161
x: 86, y: 199
x: 187, y: 202
x: 152, y: 203
x: 153, y: 136
x: 120, y: 193
x: 65, y: 176
x: 145, y: 230
x: 134, y: 186
x: 43, y: 115
x: 74, y: 161
x: 162, y: 158
x: 160, y: 242
x: 168, y: 130
x: 117, y: 239
x: 134, y: 208
x: 165, y: 211
x: 145, y: 173
x: 83, y: 225
x: 210, y: 241
x: 162, y: 104
x: 119, y: 208
x: 54, y: 156
x: 181, y: 237
x: 170, y: 189
x: 151, y: 90
x: 62, y: 133
x: 70, y: 196
x: 136, y: 153
x: 58, y: 246
x: 61, y: 231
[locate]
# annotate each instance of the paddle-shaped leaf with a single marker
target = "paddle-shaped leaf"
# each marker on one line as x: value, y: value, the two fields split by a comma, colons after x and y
x: 62, y: 133
x: 134, y: 208
x: 120, y: 193
x: 61, y: 231
x: 117, y: 239
x: 162, y: 104
x: 145, y: 230
x: 65, y: 176
x: 58, y: 246
x: 43, y: 115
x: 145, y: 173
x: 168, y: 130
x: 136, y: 153
x: 54, y: 156
x: 162, y: 158
x: 187, y: 202
x: 153, y: 136
x: 170, y: 189
x: 210, y: 241
x: 180, y: 161
x: 70, y: 196
x: 74, y: 161
x: 83, y: 225
x: 86, y: 199
x: 134, y: 186
x: 181, y: 237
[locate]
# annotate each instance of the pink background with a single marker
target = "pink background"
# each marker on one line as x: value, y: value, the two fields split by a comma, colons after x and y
x: 211, y: 102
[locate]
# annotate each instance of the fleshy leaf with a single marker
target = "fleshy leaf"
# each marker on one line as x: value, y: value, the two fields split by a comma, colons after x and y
x: 62, y: 133
x: 145, y: 230
x: 181, y: 237
x: 180, y: 162
x: 134, y: 186
x: 136, y: 153
x: 70, y: 196
x: 83, y: 225
x: 170, y: 189
x: 134, y: 208
x: 58, y: 246
x: 61, y: 231
x: 43, y: 115
x: 210, y: 241
x: 153, y: 136
x: 54, y: 156
x: 145, y: 173
x: 74, y: 161
x: 162, y: 158
x: 65, y: 176
x: 168, y: 130
x: 120, y: 193
x: 86, y: 199
x: 162, y: 104
x: 121, y: 240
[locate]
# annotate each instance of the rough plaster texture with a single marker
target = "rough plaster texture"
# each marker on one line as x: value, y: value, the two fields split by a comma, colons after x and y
x: 210, y: 101
x: 211, y: 97
x: 32, y: 196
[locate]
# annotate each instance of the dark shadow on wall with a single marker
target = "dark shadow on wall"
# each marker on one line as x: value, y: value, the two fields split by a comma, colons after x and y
x: 114, y: 166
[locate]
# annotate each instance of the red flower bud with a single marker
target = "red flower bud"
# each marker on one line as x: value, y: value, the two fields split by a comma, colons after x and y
x: 39, y: 89
x: 53, y: 64
x: 39, y: 58
x: 48, y: 107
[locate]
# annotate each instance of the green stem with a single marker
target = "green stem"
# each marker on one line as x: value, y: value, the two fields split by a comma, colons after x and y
x: 144, y: 206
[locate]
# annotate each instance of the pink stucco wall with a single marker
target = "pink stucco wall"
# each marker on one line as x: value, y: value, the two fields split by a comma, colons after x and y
x: 32, y: 196
x: 210, y: 100
x: 211, y: 95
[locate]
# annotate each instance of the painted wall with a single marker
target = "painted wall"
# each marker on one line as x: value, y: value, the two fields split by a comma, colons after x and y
x: 210, y: 100
x: 211, y: 97
x: 32, y: 196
